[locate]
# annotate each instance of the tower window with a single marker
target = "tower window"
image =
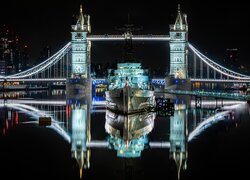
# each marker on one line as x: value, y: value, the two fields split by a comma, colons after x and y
x: 78, y: 35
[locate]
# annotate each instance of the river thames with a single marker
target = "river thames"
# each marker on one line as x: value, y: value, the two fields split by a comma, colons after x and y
x: 215, y: 142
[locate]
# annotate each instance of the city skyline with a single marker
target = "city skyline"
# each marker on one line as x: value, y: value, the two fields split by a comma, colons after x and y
x: 213, y: 27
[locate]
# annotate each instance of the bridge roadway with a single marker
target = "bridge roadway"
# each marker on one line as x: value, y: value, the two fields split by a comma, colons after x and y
x: 221, y: 95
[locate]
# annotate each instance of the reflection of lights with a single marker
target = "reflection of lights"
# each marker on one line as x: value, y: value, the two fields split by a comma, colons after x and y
x: 180, y: 106
x: 213, y: 102
x: 36, y: 113
x: 207, y: 123
x: 7, y: 124
x: 16, y: 117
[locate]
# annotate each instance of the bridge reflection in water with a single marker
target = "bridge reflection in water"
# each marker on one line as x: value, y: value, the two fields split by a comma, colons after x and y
x: 80, y: 130
x: 128, y: 135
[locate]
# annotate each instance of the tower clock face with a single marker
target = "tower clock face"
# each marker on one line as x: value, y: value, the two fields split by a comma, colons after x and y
x: 78, y: 69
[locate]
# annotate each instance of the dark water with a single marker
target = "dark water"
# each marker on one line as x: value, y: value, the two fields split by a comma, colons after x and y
x: 219, y: 150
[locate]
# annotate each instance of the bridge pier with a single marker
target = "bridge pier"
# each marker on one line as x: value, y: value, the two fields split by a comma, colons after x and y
x: 198, y: 102
x: 216, y: 103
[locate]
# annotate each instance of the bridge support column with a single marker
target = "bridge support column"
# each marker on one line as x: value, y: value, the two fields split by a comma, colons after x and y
x: 194, y: 65
x: 198, y: 102
x: 216, y: 103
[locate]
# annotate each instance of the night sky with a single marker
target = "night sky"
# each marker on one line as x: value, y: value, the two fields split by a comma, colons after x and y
x: 213, y: 26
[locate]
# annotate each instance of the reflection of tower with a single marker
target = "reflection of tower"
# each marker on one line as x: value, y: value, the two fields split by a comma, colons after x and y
x: 81, y: 47
x: 178, y: 140
x: 81, y: 133
x: 178, y: 46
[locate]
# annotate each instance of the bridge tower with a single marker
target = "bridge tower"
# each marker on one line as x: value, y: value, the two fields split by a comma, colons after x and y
x: 81, y: 47
x: 178, y: 46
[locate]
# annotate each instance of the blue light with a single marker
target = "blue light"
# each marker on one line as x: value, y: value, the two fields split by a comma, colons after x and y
x: 176, y: 81
x: 98, y: 98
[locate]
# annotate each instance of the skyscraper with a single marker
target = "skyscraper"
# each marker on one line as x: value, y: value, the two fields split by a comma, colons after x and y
x: 10, y: 51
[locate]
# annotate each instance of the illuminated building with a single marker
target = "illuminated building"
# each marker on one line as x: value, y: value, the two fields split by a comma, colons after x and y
x: 11, y: 57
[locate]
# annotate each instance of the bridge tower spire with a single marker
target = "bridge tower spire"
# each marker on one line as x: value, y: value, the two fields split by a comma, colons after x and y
x: 178, y: 46
x: 80, y: 46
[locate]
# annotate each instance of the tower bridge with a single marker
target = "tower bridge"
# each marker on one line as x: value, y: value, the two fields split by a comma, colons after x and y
x: 74, y: 59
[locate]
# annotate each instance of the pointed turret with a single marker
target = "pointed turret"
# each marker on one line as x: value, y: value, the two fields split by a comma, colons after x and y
x: 88, y: 24
x: 83, y: 23
x: 80, y: 21
x: 178, y: 22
